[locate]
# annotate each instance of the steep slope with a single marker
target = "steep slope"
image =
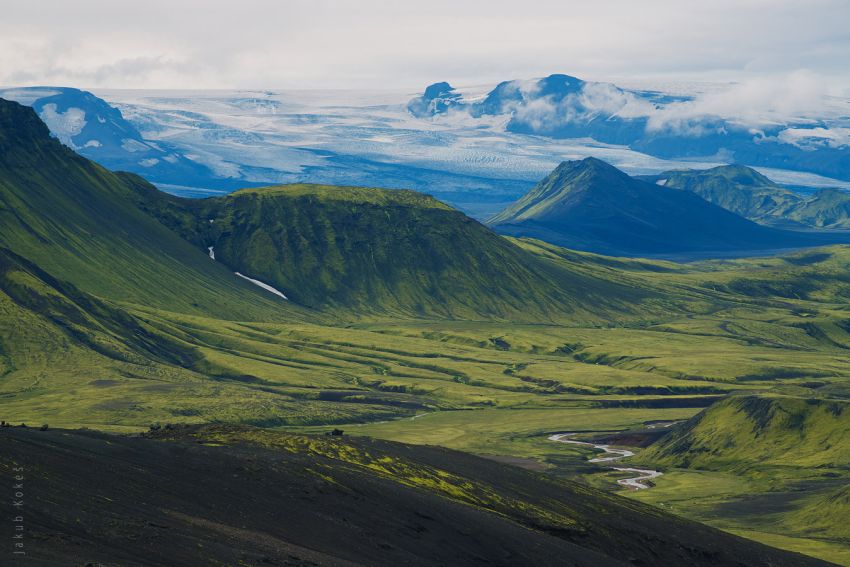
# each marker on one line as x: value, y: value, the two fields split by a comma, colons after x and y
x: 70, y: 359
x: 223, y: 495
x: 383, y: 251
x: 591, y: 205
x: 79, y: 222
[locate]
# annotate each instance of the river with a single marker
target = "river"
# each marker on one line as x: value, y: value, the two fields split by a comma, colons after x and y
x: 612, y: 455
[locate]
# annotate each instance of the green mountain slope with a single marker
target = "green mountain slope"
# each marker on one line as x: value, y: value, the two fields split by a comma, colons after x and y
x: 383, y: 251
x: 750, y: 194
x: 590, y: 205
x: 827, y: 208
x: 744, y: 431
x: 78, y: 222
x: 736, y: 188
x: 238, y: 496
x: 773, y: 467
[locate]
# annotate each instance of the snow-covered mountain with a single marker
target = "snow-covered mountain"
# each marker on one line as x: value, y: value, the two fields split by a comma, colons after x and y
x: 664, y: 126
x: 98, y: 131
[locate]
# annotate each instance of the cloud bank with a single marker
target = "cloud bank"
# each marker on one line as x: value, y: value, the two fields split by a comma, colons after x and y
x: 390, y: 44
x: 757, y: 104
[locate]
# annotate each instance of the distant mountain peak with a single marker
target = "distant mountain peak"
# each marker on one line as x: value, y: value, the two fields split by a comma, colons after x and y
x: 746, y: 192
x: 653, y: 122
x: 97, y: 130
x: 591, y: 165
x: 741, y: 175
x: 591, y: 205
x: 559, y: 84
x: 438, y: 90
x: 503, y: 98
x: 587, y: 179
x: 437, y: 99
x: 586, y: 174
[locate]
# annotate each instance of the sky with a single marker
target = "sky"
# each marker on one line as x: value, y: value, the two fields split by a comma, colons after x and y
x: 400, y: 44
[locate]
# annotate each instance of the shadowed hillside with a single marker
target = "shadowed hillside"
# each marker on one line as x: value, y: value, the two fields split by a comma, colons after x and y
x: 591, y: 205
x: 241, y: 496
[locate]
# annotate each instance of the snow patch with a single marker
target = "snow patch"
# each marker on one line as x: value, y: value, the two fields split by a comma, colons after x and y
x: 64, y: 125
x: 212, y: 252
x: 661, y: 182
x: 265, y: 286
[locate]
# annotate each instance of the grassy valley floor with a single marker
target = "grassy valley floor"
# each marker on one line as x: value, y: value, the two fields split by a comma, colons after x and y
x: 488, y: 388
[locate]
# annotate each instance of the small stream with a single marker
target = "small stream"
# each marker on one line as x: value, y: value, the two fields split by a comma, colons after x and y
x: 612, y: 455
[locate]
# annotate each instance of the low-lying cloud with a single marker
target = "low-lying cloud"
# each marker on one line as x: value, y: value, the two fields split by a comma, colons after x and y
x: 800, y: 99
x: 758, y: 102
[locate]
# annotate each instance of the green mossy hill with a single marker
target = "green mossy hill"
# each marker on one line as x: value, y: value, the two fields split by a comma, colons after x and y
x: 770, y: 465
x: 386, y: 252
x: 750, y: 194
x: 360, y: 195
x: 743, y: 431
x: 79, y: 222
x: 827, y: 208
x: 736, y: 188
x: 240, y: 496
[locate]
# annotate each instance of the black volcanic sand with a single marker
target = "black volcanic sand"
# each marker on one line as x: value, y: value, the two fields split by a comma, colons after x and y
x: 171, y: 499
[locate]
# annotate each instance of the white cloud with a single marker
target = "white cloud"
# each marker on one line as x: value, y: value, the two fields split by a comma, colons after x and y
x: 757, y: 102
x: 594, y: 99
x: 813, y: 138
x: 607, y: 99
x: 385, y: 43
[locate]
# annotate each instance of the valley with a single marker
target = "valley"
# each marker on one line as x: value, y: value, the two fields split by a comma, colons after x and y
x: 485, y: 388
x: 430, y: 341
x: 456, y: 284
